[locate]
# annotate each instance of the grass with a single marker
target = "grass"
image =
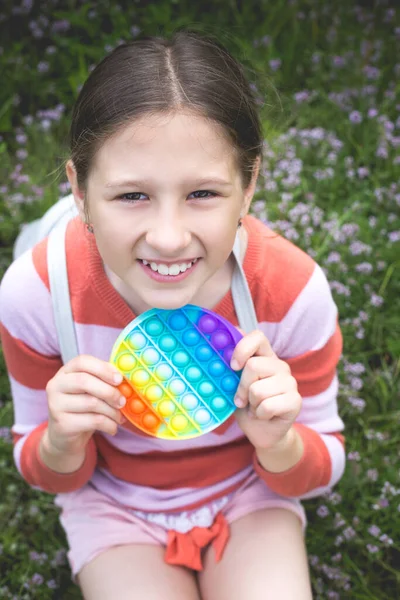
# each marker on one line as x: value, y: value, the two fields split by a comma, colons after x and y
x: 327, y: 81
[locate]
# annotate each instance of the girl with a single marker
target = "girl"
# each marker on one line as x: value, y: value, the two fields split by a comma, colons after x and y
x: 165, y: 152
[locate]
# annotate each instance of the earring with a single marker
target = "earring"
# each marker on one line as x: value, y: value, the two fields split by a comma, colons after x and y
x: 89, y: 228
x: 240, y: 223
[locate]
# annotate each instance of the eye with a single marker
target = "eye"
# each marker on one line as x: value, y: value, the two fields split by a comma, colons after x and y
x: 204, y: 194
x: 131, y: 197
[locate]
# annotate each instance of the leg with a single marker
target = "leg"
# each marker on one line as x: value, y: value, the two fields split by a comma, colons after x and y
x: 133, y: 572
x: 264, y: 559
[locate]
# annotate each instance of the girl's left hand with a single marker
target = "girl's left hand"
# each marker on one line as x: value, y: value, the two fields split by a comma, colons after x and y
x: 267, y: 396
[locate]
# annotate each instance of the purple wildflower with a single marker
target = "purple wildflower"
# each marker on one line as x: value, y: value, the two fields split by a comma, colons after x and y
x: 65, y: 187
x: 386, y: 540
x: 362, y: 172
x: 275, y: 64
x: 21, y: 138
x: 374, y: 530
x: 135, y: 30
x: 357, y: 403
x: 323, y: 511
x: 376, y: 300
x: 355, y: 116
x: 372, y: 474
x: 302, y: 96
x: 371, y: 72
x: 356, y: 383
x: 21, y: 154
x: 365, y: 268
x: 5, y: 434
x: 43, y: 67
x: 382, y: 152
x: 338, y: 61
x: 354, y: 456
x: 349, y: 533
x: 60, y: 26
x: 37, y: 579
x: 358, y: 247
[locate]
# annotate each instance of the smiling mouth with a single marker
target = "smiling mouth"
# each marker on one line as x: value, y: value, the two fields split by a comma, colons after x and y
x: 171, y: 270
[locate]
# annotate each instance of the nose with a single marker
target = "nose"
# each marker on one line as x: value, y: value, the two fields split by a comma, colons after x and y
x: 168, y: 235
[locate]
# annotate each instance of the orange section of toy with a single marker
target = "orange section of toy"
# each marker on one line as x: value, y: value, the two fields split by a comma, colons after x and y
x: 137, y: 411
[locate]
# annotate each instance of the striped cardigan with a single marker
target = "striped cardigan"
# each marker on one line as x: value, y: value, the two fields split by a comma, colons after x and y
x: 296, y: 312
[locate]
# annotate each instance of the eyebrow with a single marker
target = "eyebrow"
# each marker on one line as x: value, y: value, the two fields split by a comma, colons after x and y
x: 144, y: 183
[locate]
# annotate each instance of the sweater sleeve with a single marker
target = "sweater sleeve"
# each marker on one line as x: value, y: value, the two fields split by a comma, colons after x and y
x: 312, y: 348
x: 32, y: 358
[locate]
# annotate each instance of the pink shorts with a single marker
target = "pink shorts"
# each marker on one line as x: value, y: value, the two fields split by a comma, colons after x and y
x: 94, y: 522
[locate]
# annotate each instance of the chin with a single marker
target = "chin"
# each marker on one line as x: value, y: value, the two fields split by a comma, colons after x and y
x: 171, y: 301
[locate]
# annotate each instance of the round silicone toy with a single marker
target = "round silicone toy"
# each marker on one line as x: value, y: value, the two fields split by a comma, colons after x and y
x: 178, y: 383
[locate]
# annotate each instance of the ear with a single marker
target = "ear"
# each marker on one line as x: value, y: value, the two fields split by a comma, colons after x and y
x: 79, y: 195
x: 251, y: 188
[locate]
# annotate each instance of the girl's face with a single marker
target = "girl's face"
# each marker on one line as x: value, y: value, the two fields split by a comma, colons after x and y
x: 164, y: 197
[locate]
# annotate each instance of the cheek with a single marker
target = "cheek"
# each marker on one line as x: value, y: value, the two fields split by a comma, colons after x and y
x: 114, y: 227
x: 115, y: 247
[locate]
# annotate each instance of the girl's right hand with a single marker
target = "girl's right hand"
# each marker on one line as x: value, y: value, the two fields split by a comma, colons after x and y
x: 82, y: 398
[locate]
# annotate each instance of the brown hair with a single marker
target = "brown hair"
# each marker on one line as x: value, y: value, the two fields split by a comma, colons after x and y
x: 156, y: 75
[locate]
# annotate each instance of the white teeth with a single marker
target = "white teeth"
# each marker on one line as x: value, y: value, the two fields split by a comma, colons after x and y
x: 163, y: 269
x: 174, y: 269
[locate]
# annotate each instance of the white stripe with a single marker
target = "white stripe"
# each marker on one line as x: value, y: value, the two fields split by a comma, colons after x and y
x: 96, y: 340
x: 321, y: 411
x: 25, y: 307
x: 30, y: 406
x: 152, y: 499
x: 309, y: 323
x: 18, y: 449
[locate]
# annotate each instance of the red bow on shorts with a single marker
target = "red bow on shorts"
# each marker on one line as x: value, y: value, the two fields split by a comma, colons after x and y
x: 184, y: 549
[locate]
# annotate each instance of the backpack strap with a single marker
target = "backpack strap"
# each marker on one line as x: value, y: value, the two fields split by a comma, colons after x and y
x: 241, y: 295
x: 59, y: 290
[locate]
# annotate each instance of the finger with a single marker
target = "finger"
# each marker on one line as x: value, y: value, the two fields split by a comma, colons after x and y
x: 76, y: 423
x: 84, y: 403
x: 78, y: 383
x: 94, y: 366
x: 252, y: 344
x: 272, y: 386
x: 257, y: 367
x: 284, y: 406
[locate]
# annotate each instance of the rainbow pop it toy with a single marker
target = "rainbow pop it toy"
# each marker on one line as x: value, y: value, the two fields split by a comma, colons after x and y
x: 178, y: 382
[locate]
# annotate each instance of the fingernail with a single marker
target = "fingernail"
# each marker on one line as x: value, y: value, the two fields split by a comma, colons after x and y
x: 234, y: 364
x: 122, y: 401
x: 117, y: 378
x: 239, y: 402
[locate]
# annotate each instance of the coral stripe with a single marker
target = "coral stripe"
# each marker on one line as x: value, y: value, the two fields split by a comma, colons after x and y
x: 37, y: 473
x: 39, y: 259
x: 188, y: 468
x: 278, y: 258
x: 313, y: 470
x: 25, y: 365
